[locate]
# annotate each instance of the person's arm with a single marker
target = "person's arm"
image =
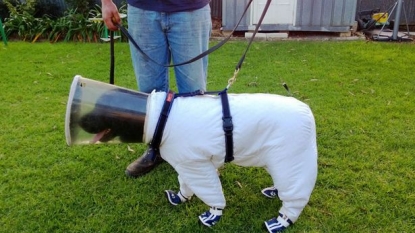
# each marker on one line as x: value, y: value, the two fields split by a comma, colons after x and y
x: 110, y: 14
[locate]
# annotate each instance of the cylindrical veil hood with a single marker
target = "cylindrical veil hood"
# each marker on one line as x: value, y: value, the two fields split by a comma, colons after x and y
x: 100, y: 112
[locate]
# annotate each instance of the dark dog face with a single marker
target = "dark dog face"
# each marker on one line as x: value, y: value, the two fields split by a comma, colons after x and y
x: 116, y: 114
x: 96, y: 123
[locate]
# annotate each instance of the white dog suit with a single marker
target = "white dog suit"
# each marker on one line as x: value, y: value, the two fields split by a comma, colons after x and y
x: 270, y: 131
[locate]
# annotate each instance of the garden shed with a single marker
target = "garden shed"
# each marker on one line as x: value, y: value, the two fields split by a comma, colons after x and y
x: 291, y: 15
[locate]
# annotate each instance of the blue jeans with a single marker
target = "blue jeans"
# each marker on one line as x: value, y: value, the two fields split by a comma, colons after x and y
x: 170, y: 37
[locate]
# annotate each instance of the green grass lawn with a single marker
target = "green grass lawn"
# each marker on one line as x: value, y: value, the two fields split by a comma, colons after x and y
x: 362, y: 95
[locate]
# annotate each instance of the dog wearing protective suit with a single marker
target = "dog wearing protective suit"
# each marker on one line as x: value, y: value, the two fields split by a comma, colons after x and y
x: 270, y: 131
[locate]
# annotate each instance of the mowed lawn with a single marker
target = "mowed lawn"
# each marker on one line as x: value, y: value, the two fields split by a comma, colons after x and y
x: 362, y: 95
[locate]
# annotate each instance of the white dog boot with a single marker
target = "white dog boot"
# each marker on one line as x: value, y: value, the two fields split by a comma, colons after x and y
x: 174, y: 198
x: 278, y: 224
x: 211, y: 217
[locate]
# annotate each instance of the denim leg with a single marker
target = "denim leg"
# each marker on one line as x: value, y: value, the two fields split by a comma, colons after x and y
x: 188, y: 36
x: 146, y: 29
x: 164, y: 36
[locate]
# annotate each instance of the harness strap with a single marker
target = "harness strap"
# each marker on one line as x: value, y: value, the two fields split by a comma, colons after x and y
x: 158, y: 133
x: 227, y: 126
x: 226, y: 117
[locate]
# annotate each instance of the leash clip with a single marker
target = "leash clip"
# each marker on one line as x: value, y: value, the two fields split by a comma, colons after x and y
x: 232, y: 79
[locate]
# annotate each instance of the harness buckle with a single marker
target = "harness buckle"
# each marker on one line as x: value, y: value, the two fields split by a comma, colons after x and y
x: 227, y: 125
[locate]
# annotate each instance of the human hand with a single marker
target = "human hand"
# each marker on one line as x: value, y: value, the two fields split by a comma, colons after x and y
x: 110, y: 15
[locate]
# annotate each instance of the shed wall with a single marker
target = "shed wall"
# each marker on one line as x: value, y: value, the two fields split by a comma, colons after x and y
x: 232, y: 11
x: 311, y: 15
x: 325, y: 15
x: 216, y: 8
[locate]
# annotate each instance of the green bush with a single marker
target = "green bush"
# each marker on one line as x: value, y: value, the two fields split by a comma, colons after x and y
x: 21, y: 20
x: 75, y: 27
x: 24, y: 24
x: 16, y: 7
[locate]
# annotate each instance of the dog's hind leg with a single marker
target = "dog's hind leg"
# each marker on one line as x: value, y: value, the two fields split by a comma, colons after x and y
x: 184, y: 189
x: 294, y: 177
x: 201, y: 178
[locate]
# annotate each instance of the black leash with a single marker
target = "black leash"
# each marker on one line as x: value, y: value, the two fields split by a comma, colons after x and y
x: 112, y: 61
x: 239, y: 65
x: 226, y: 114
x: 210, y: 50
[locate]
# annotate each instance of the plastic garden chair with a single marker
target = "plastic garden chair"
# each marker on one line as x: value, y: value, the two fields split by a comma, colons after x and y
x: 106, y: 35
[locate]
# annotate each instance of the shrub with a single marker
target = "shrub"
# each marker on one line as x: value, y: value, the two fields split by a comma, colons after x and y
x: 21, y: 20
x: 28, y: 24
x: 74, y: 27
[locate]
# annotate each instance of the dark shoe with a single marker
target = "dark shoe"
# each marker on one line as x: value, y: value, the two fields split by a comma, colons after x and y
x: 176, y: 198
x: 149, y: 160
x: 270, y: 192
x: 172, y: 197
x: 210, y: 217
x: 278, y: 224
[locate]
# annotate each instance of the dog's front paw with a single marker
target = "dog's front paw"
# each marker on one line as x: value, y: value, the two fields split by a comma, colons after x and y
x: 174, y: 198
x: 211, y: 217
